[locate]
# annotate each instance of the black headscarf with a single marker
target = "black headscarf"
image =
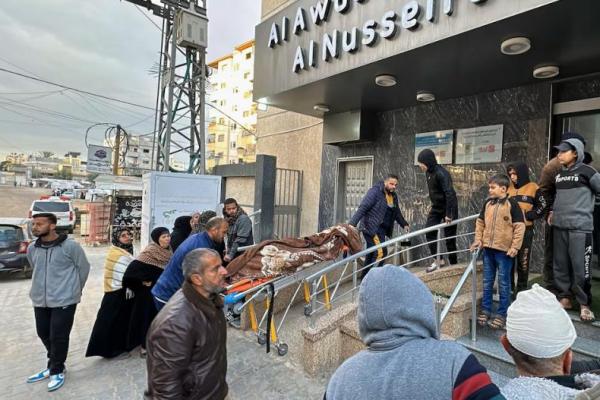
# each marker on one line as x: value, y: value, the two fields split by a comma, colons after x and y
x: 157, y: 233
x: 181, y: 231
x: 115, y: 239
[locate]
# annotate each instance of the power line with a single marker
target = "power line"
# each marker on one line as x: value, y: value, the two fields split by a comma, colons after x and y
x: 74, y: 89
x: 148, y: 18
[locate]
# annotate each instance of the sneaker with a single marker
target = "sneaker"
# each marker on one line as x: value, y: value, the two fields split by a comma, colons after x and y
x: 40, y: 376
x: 432, y: 267
x: 56, y: 382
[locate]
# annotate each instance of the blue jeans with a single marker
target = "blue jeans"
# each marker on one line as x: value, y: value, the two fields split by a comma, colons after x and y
x: 496, y: 260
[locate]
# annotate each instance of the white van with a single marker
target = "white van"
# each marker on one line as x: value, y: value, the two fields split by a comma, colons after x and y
x: 63, y: 209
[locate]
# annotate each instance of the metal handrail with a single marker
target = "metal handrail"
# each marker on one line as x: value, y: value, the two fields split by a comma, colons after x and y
x: 315, y: 280
x: 470, y: 270
x: 388, y: 243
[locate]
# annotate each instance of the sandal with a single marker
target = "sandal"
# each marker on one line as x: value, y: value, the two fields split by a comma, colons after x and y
x: 497, y: 322
x: 586, y: 315
x: 565, y: 302
x: 483, y: 318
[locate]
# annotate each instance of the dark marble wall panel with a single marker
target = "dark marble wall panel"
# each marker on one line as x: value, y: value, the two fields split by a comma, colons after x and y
x: 577, y: 90
x: 523, y: 111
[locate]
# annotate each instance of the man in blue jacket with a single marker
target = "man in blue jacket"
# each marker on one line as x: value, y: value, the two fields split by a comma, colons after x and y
x: 378, y: 210
x: 172, y: 278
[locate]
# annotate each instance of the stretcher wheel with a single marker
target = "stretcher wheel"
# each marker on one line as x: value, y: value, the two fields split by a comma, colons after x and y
x: 307, y: 310
x: 262, y: 338
x: 237, y: 308
x: 282, y: 349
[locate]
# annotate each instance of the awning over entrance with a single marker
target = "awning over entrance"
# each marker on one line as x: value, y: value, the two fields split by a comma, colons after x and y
x: 465, y: 61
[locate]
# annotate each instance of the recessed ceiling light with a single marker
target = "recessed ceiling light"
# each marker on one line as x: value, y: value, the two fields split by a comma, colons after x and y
x: 324, y: 108
x: 545, y: 71
x: 515, y: 46
x: 385, y: 80
x: 425, y: 96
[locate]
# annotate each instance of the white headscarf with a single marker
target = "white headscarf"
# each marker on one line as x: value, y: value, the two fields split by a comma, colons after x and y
x: 538, y: 326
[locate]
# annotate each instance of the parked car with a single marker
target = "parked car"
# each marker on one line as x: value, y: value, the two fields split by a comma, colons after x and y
x: 61, y: 207
x: 15, y: 236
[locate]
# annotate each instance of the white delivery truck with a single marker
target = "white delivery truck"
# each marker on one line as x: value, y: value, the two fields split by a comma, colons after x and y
x: 168, y: 195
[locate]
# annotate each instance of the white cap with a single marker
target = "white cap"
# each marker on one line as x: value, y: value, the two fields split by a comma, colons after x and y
x: 538, y: 326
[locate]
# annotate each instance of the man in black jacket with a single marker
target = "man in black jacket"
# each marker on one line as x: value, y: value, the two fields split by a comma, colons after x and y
x: 378, y: 211
x: 444, y: 205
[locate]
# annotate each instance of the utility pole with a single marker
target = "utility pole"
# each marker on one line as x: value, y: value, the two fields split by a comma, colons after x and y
x: 117, y: 151
x: 182, y: 78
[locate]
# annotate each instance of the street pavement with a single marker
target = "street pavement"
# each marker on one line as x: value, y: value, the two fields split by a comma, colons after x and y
x: 252, y: 374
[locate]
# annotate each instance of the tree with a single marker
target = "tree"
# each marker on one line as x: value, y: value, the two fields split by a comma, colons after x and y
x: 5, y: 165
x: 47, y: 154
x: 64, y: 174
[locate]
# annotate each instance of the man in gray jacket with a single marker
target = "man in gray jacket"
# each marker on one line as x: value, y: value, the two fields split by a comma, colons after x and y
x: 572, y: 219
x: 239, y: 233
x: 60, y: 270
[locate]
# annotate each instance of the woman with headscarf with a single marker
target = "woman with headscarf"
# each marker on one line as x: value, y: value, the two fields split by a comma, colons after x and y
x: 181, y: 230
x: 140, y: 277
x: 109, y: 334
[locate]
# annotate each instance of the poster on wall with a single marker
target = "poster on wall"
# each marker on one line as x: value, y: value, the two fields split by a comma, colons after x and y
x: 128, y: 212
x: 482, y: 144
x: 439, y: 142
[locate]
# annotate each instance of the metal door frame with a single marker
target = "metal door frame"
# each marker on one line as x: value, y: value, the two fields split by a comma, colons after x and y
x: 339, y: 161
x: 283, y: 193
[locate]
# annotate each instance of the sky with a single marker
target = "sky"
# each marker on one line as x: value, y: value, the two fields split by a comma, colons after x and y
x: 102, y: 46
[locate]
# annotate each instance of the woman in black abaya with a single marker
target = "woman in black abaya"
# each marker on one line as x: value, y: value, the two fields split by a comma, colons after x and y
x: 140, y: 277
x: 109, y: 334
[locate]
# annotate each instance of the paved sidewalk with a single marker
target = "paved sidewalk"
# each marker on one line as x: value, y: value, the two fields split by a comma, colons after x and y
x: 252, y: 374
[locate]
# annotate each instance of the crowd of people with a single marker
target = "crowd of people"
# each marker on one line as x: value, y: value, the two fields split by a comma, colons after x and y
x: 136, y: 288
x: 166, y: 300
x: 505, y: 226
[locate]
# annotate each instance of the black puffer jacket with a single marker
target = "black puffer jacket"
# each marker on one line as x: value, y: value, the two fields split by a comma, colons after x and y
x: 187, y: 351
x: 439, y: 182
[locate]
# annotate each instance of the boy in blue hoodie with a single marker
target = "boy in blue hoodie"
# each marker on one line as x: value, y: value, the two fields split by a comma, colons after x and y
x: 573, y: 222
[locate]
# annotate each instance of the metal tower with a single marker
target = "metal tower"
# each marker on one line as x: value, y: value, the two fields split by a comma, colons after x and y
x: 180, y: 117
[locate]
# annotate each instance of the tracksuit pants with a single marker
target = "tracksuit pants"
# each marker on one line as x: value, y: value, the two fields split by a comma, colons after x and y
x: 371, y: 258
x: 434, y: 218
x: 522, y: 260
x: 572, y: 264
x: 53, y: 326
x: 548, y: 271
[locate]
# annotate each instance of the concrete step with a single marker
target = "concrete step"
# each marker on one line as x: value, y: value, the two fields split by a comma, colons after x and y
x: 585, y: 329
x: 584, y: 348
x: 491, y: 354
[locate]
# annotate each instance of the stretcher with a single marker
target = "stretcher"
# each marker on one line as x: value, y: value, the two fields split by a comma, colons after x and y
x: 247, y: 292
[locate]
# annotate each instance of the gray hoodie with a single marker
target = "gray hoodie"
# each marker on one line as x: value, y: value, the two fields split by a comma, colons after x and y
x: 404, y: 358
x: 60, y: 270
x: 576, y: 187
